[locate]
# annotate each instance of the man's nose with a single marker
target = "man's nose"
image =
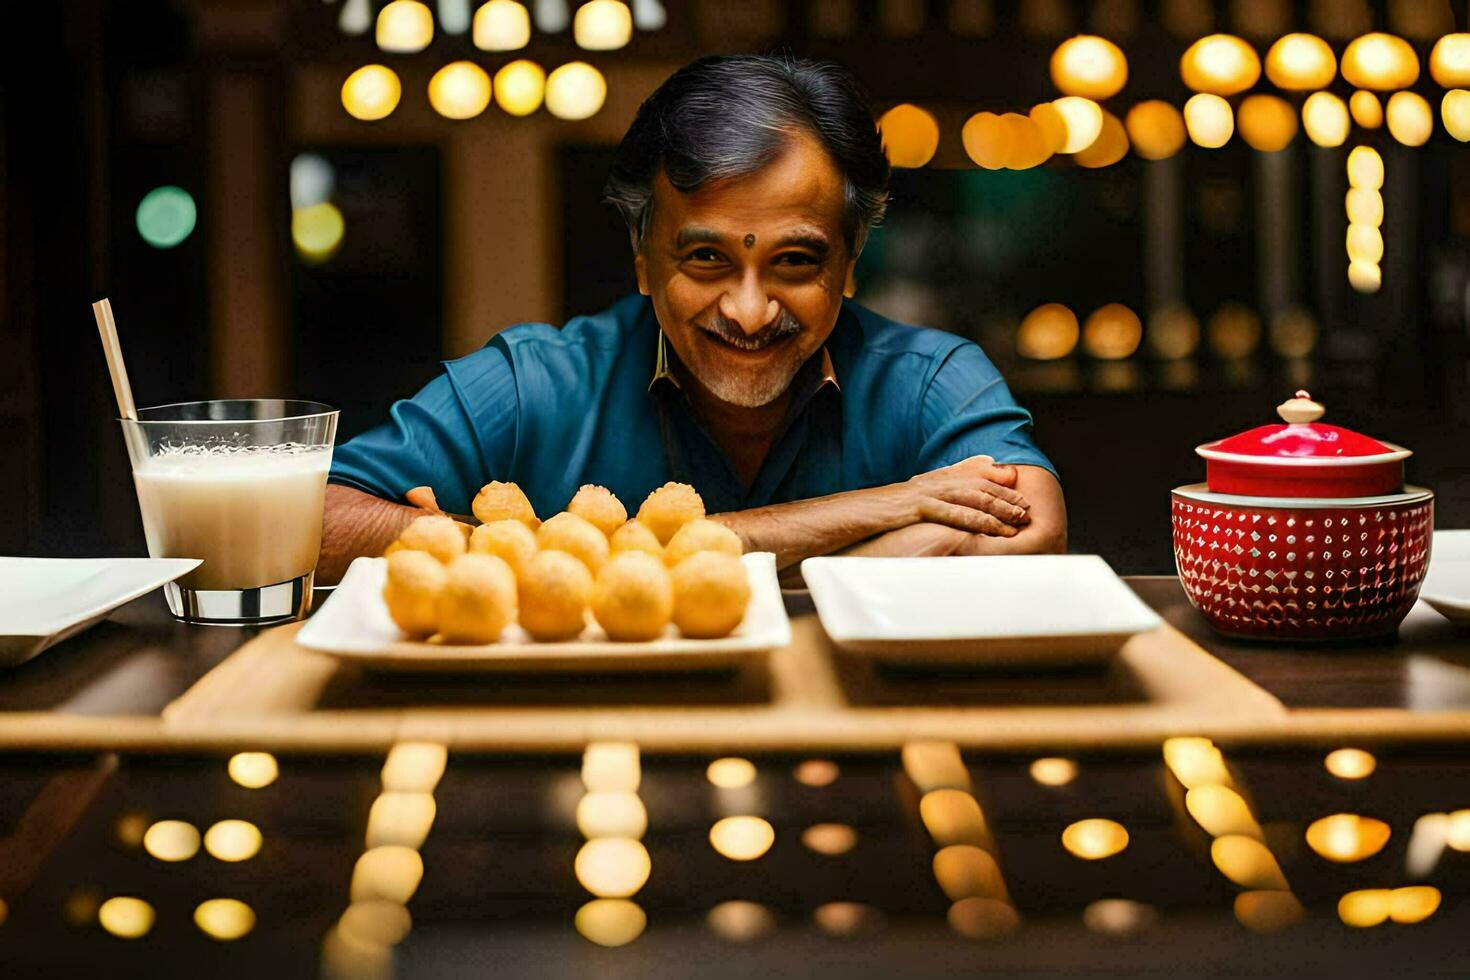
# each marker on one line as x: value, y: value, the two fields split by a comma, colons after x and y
x: 749, y: 306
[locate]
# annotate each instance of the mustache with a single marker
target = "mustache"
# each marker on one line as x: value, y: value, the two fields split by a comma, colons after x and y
x: 730, y: 332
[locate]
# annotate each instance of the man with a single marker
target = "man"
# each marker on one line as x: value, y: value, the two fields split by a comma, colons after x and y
x: 809, y: 425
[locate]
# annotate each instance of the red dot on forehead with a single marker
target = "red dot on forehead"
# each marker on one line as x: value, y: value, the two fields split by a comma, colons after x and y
x: 749, y: 241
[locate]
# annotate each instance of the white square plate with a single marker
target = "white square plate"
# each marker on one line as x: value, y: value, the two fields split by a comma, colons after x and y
x: 1013, y: 611
x: 354, y: 625
x: 45, y: 600
x: 1447, y: 584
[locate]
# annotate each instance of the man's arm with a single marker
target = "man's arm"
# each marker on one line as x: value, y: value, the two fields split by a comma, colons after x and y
x: 357, y: 523
x: 972, y: 497
x: 1046, y: 533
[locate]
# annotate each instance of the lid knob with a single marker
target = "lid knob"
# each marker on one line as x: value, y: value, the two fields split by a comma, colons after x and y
x: 1300, y: 409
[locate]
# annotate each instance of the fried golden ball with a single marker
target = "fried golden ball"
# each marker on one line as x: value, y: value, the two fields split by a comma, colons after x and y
x: 634, y: 597
x: 669, y: 508
x: 478, y: 601
x: 699, y: 535
x: 498, y: 501
x: 635, y: 536
x: 415, y: 580
x: 577, y: 537
x: 508, y: 540
x: 711, y: 591
x: 554, y: 588
x: 599, y: 507
x: 437, y: 534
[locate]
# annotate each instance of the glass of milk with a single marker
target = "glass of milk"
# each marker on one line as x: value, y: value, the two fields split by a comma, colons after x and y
x: 238, y: 484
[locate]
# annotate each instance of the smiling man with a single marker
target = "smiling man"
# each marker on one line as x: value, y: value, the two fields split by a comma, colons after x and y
x: 809, y: 424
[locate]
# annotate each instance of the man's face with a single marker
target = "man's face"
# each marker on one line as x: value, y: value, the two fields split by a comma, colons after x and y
x: 746, y: 275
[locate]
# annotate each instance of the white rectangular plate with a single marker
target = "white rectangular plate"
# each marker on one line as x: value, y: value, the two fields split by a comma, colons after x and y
x: 354, y: 625
x: 1447, y: 584
x: 1013, y: 611
x: 45, y: 600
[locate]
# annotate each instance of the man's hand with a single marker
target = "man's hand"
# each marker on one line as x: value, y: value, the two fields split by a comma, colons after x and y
x: 975, y: 495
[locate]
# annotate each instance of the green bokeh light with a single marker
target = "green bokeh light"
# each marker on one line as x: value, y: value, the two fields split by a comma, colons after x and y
x: 166, y: 216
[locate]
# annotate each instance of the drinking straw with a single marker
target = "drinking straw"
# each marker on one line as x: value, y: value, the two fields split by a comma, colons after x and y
x: 102, y: 310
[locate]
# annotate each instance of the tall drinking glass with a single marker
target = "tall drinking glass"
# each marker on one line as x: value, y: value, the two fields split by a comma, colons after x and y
x: 238, y: 484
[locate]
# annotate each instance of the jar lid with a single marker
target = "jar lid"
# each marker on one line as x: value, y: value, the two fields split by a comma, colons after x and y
x: 1300, y: 440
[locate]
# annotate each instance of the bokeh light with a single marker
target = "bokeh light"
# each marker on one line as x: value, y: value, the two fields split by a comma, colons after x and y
x: 1209, y: 120
x: 1156, y: 129
x: 501, y: 25
x: 614, y: 813
x: 1325, y: 118
x: 1454, y: 111
x: 405, y: 26
x: 454, y: 16
x: 1365, y: 167
x: 371, y: 93
x: 983, y: 919
x: 1247, y: 862
x: 375, y: 922
x: 356, y: 17
x: 739, y: 921
x: 1111, y: 332
x: 1053, y: 771
x: 967, y: 871
x: 400, y: 818
x: 910, y: 135
x: 1346, y: 838
x: 1364, y: 243
x: 830, y: 839
x: 611, y: 766
x: 1221, y: 64
x: 1110, y: 146
x: 1029, y: 146
x: 1089, y: 66
x: 1053, y: 127
x: 1364, y: 206
x: 1095, y: 839
x: 1083, y: 119
x: 935, y: 765
x: 1415, y: 903
x: 612, y: 867
x: 1382, y: 62
x: 1119, y: 917
x: 1048, y: 333
x: 1267, y: 123
x: 1365, y: 908
x: 602, y: 25
x: 1234, y: 331
x: 575, y: 90
x: 172, y: 840
x: 1294, y: 332
x: 1367, y: 110
x: 312, y: 181
x: 1449, y: 62
x: 610, y: 921
x: 816, y: 772
x: 1410, y: 119
x: 987, y: 140
x: 1301, y: 63
x: 459, y: 90
x: 225, y: 919
x: 391, y: 873
x: 414, y: 767
x: 1221, y: 811
x: 742, y: 838
x: 253, y: 770
x: 845, y: 919
x: 1268, y: 911
x: 166, y: 216
x: 730, y: 773
x: 519, y: 87
x: 952, y: 816
x: 1365, y: 277
x: 317, y: 231
x: 1195, y: 761
x: 126, y: 917
x: 233, y: 840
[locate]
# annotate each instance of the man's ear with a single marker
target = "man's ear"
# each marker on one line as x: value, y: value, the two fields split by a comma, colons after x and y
x: 640, y: 267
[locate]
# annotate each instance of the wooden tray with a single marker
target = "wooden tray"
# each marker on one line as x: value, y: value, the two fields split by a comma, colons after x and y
x: 273, y: 693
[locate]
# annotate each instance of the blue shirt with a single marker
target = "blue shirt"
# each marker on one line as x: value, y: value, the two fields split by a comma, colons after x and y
x: 553, y: 409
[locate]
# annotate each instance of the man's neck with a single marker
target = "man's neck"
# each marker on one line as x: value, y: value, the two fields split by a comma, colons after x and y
x: 744, y: 434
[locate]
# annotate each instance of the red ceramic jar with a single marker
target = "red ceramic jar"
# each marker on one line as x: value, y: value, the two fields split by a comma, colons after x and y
x: 1303, y: 532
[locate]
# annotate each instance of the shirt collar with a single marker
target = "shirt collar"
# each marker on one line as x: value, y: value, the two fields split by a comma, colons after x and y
x: 663, y: 369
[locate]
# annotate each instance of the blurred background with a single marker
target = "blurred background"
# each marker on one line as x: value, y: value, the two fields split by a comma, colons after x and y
x: 1153, y: 229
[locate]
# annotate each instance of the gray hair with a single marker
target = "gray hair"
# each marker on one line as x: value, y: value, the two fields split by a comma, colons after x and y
x: 723, y: 117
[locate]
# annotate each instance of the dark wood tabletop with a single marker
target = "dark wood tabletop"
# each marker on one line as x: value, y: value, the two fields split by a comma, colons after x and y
x: 140, y: 659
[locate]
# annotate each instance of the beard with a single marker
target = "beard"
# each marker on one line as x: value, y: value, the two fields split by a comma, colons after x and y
x: 750, y: 388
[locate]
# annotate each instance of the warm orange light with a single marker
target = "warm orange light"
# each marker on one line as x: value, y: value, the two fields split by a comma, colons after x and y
x: 1209, y: 120
x: 987, y: 140
x: 1053, y: 127
x: 1449, y: 62
x: 459, y: 90
x: 610, y: 921
x: 1028, y: 144
x: 742, y: 838
x: 1112, y: 332
x: 575, y: 90
x: 1364, y: 206
x: 1454, y: 110
x: 1410, y: 119
x: 612, y: 867
x: 1221, y: 812
x: 1346, y: 837
x: 1382, y: 62
x: 1173, y: 332
x: 1110, y: 146
x: 1095, y: 839
x: 1267, y: 911
x: 1325, y: 118
x: 1048, y: 333
x: 816, y: 772
x: 1247, y: 862
x: 501, y: 25
x: 372, y: 92
x: 1365, y: 277
x: 966, y: 871
x: 1156, y: 129
x: 1267, y: 123
x: 910, y: 135
x: 1366, y: 109
x: 1053, y: 771
x: 602, y: 25
x: 1195, y: 761
x: 1089, y: 66
x: 1234, y: 331
x: 519, y: 87
x: 1301, y: 63
x: 1364, y: 169
x: 405, y: 26
x: 1416, y: 903
x: 953, y: 817
x: 1365, y: 908
x: 1221, y: 64
x: 253, y: 770
x: 1083, y: 119
x: 1364, y: 243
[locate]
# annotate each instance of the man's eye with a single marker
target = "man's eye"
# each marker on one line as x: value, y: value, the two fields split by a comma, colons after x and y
x: 795, y: 258
x: 705, y: 255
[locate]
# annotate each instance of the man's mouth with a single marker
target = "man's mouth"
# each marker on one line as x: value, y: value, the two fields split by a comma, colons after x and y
x: 730, y: 335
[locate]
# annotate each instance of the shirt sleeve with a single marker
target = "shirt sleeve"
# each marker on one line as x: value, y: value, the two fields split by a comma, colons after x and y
x: 967, y: 410
x: 455, y: 435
